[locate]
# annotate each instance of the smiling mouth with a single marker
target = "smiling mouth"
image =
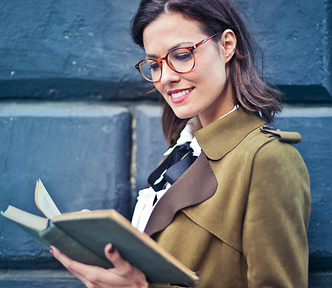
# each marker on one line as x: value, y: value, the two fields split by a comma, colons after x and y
x: 181, y: 93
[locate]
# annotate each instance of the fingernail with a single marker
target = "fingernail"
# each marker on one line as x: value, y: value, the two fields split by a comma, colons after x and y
x: 51, y: 251
x: 111, y: 250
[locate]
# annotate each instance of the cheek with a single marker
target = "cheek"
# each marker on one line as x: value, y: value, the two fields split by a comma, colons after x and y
x: 162, y: 90
x: 214, y: 75
x: 212, y: 64
x: 159, y: 88
x: 208, y: 69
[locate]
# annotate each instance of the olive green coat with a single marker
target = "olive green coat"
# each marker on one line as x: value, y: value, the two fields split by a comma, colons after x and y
x: 239, y: 215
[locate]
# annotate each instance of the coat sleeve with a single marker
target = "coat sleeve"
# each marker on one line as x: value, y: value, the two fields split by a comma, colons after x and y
x: 276, y: 218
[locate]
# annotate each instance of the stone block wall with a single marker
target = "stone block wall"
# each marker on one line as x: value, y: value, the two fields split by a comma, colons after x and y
x: 75, y: 113
x: 314, y: 124
x: 80, y: 151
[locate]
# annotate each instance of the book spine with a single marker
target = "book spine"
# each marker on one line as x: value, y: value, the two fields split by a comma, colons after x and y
x: 72, y: 248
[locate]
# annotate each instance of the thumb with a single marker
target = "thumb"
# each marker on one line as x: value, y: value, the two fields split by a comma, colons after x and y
x: 109, y: 251
x: 124, y: 269
x: 114, y: 256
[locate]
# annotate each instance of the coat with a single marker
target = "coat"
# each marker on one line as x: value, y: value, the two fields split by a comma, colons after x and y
x: 239, y: 215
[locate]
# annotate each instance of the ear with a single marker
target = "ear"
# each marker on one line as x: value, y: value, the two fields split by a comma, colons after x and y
x: 228, y: 44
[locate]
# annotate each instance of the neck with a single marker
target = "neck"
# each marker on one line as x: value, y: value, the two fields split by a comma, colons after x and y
x: 225, y: 104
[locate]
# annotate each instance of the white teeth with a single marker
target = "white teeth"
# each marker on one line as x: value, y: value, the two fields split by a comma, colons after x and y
x: 179, y: 94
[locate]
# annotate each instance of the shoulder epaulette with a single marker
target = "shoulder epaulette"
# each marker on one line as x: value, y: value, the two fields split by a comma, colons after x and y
x: 291, y: 137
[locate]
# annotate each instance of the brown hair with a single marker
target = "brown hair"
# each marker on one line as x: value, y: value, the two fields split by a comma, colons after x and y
x: 250, y: 90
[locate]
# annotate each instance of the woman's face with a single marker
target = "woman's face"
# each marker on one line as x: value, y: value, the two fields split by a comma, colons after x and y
x: 204, y: 91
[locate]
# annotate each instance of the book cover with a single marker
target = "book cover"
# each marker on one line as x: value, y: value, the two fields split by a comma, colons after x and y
x: 82, y: 236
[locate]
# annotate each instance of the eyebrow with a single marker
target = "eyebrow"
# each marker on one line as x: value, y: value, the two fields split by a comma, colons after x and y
x: 174, y: 47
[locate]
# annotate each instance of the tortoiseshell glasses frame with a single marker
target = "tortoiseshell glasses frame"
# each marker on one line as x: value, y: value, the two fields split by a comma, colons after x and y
x: 180, y: 60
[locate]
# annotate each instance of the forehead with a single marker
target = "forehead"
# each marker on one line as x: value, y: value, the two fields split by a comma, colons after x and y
x: 170, y: 30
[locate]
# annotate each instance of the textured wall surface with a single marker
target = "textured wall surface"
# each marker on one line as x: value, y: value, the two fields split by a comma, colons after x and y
x: 328, y: 56
x: 150, y: 142
x: 73, y: 112
x: 82, y: 154
x: 55, y: 49
x: 60, y: 49
x: 38, y: 279
x: 314, y: 125
x: 295, y: 37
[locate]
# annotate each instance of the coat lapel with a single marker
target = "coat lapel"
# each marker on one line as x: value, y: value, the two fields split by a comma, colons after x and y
x: 199, y: 183
x: 196, y: 185
x: 222, y: 136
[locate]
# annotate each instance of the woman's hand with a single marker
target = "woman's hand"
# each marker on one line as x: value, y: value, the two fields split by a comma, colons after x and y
x: 122, y: 275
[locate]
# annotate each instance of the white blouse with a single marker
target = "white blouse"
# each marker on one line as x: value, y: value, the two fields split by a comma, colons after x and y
x: 144, y: 205
x: 145, y: 199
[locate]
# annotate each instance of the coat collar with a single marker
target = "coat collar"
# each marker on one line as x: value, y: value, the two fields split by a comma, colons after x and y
x: 223, y: 135
x: 199, y: 183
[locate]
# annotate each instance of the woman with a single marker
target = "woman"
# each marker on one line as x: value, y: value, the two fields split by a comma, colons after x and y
x: 239, y: 214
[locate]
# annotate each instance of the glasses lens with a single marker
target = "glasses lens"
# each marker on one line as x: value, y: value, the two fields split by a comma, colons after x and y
x: 151, y: 70
x: 182, y: 60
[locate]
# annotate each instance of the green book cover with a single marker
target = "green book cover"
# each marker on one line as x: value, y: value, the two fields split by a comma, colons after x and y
x: 83, y: 236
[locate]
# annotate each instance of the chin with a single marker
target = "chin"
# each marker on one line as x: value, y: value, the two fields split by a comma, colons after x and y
x: 183, y: 115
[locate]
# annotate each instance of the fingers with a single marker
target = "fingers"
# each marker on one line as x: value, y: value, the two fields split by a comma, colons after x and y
x: 69, y: 263
x: 122, y: 275
x: 85, y: 210
x: 82, y: 211
x: 124, y: 270
x: 78, y: 269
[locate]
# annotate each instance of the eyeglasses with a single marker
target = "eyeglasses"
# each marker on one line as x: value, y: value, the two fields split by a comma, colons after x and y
x: 180, y: 60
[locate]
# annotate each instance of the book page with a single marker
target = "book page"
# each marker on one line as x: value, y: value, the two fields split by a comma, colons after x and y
x: 44, y: 201
x: 29, y: 223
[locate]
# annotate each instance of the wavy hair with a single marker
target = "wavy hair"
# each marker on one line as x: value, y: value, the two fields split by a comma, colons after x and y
x: 250, y: 90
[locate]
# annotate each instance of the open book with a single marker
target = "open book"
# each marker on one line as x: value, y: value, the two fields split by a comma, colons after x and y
x: 83, y: 236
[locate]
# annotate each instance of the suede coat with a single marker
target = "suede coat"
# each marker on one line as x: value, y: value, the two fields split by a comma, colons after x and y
x: 239, y: 215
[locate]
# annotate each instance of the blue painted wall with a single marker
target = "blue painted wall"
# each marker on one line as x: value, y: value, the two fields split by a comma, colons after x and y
x: 69, y: 49
x: 328, y: 17
x: 314, y: 124
x: 56, y: 49
x: 69, y: 65
x: 296, y: 39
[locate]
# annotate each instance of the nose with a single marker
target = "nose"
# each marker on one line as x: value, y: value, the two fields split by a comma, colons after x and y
x: 168, y: 75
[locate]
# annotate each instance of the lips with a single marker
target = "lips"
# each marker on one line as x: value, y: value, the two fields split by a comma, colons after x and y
x: 179, y: 95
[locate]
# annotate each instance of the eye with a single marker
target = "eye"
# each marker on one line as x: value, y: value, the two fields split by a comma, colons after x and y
x: 181, y: 55
x: 153, y: 65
